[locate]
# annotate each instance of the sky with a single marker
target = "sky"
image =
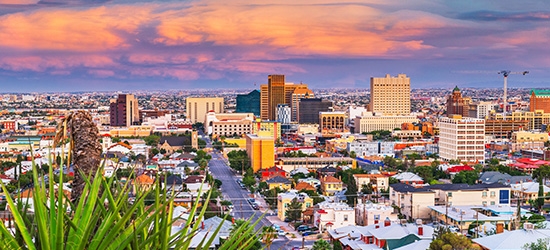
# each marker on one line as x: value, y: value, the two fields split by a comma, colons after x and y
x: 86, y: 45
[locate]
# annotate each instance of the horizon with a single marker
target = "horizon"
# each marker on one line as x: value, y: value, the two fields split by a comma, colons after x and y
x: 124, y: 45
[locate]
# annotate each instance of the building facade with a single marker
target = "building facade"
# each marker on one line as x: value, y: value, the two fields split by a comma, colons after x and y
x: 535, y: 119
x: 540, y: 100
x: 332, y: 122
x: 308, y: 110
x: 124, y: 110
x: 284, y: 114
x: 261, y: 152
x: 276, y: 93
x: 390, y: 95
x: 249, y: 103
x: 198, y: 107
x: 284, y: 200
x: 462, y: 138
x: 228, y: 124
x: 457, y: 105
x: 370, y: 122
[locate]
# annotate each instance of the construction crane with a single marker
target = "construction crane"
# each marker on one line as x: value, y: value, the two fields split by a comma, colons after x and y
x: 506, y: 73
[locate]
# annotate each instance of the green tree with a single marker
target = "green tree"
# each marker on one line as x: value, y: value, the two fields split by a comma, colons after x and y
x: 294, y: 210
x: 321, y: 245
x: 425, y: 172
x: 469, y: 177
x: 540, y: 244
x: 152, y: 140
x: 336, y: 245
x: 351, y: 192
x: 268, y: 235
x: 249, y: 180
x: 115, y: 139
x: 450, y: 240
x: 352, y: 154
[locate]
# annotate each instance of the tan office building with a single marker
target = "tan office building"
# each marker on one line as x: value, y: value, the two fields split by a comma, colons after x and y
x: 198, y: 107
x: 390, y: 95
x: 462, y: 139
x: 276, y: 92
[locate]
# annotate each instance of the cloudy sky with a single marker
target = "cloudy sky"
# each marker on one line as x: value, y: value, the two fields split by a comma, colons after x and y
x: 71, y: 45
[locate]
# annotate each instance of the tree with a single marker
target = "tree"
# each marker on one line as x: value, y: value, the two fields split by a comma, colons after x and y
x: 352, y: 154
x: 540, y: 244
x: 152, y: 140
x: 249, y: 180
x: 425, y: 172
x: 469, y: 177
x: 268, y: 234
x: 294, y: 210
x: 115, y: 139
x: 351, y: 192
x: 450, y: 240
x: 321, y: 245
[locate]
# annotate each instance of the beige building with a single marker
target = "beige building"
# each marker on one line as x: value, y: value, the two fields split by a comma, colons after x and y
x: 372, y: 213
x: 264, y: 102
x: 370, y: 122
x: 535, y: 119
x: 228, y: 124
x: 390, y: 95
x: 331, y: 215
x: 412, y: 201
x: 377, y: 181
x: 198, y: 107
x: 276, y: 94
x: 132, y: 131
x: 284, y: 200
x: 332, y: 122
x: 526, y: 140
x: 462, y: 138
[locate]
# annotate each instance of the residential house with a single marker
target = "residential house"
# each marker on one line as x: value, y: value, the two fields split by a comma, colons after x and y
x: 412, y: 201
x: 478, y: 194
x: 304, y: 186
x: 409, y: 178
x: 326, y: 171
x: 143, y: 182
x: 372, y: 213
x: 311, y: 181
x: 528, y: 191
x: 377, y: 181
x: 490, y: 177
x: 284, y: 200
x: 279, y: 182
x: 174, y: 183
x: 331, y: 185
x: 330, y: 215
x: 515, y: 239
x: 272, y: 172
x: 195, y: 184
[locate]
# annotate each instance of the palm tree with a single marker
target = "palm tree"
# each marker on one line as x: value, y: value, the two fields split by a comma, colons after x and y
x: 321, y: 245
x: 268, y: 234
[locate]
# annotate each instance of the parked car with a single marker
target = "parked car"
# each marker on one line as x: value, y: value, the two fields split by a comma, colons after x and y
x: 251, y: 200
x: 306, y: 233
x: 288, y: 219
x: 302, y: 228
x: 255, y: 206
x: 281, y: 233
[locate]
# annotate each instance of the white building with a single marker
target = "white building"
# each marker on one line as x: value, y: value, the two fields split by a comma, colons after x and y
x: 354, y: 112
x: 284, y: 114
x: 483, y: 109
x: 372, y: 213
x: 229, y: 124
x: 333, y: 215
x: 462, y: 138
x: 366, y: 148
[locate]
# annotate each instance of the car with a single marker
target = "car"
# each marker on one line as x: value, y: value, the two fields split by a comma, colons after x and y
x: 276, y: 227
x: 242, y: 186
x: 255, y: 207
x: 302, y: 228
x: 251, y: 201
x: 281, y: 233
x: 288, y: 220
x: 306, y: 233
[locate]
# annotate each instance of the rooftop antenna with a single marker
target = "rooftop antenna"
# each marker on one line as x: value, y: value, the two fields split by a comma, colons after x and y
x: 505, y: 73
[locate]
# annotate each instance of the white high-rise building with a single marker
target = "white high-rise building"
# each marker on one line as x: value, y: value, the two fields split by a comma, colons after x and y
x: 484, y: 109
x: 284, y: 114
x: 462, y: 138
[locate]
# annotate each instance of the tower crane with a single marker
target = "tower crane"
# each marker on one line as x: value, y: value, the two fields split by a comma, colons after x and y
x: 506, y: 73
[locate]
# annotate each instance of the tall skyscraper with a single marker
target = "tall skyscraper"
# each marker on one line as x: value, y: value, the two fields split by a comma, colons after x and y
x: 276, y: 90
x: 308, y: 110
x: 124, y: 110
x: 249, y: 103
x: 198, y: 107
x: 297, y: 95
x: 264, y: 102
x: 462, y: 139
x: 458, y: 105
x: 390, y: 95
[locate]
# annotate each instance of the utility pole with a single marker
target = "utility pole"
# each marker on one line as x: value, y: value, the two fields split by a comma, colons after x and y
x: 506, y: 73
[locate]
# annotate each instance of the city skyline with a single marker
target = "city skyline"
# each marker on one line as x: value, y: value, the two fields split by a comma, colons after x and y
x: 154, y: 45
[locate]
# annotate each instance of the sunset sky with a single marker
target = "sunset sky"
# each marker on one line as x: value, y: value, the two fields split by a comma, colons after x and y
x: 80, y: 45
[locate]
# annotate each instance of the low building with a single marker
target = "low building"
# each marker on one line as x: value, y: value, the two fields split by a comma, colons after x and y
x: 377, y: 181
x: 330, y: 215
x: 369, y: 122
x: 372, y: 213
x: 409, y: 178
x: 313, y: 163
x: 527, y: 191
x: 278, y: 182
x: 284, y: 200
x: 304, y: 186
x: 331, y: 185
x: 413, y: 202
x: 515, y: 239
x: 366, y: 148
x: 228, y: 124
x: 272, y: 172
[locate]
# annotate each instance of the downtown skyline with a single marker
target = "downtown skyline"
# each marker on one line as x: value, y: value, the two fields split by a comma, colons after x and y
x: 139, y: 45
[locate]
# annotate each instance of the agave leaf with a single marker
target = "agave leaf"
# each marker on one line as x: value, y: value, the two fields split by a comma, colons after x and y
x: 24, y: 231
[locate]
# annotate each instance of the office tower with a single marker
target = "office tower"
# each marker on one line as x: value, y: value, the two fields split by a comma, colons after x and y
x: 390, y: 95
x: 462, y: 139
x: 261, y: 151
x: 276, y: 90
x: 297, y: 95
x: 124, y: 110
x: 484, y: 109
x: 308, y: 110
x: 283, y: 113
x: 264, y: 102
x: 198, y: 107
x: 457, y: 105
x: 249, y: 103
x: 540, y: 100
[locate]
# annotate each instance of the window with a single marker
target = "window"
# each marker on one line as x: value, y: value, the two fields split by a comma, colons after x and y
x: 484, y: 203
x: 484, y: 194
x: 449, y: 194
x: 492, y: 203
x: 345, y: 217
x: 492, y: 193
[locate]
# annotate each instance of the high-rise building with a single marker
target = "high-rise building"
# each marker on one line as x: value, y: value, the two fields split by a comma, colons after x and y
x: 390, y: 95
x: 264, y: 102
x: 457, y: 105
x: 484, y: 109
x: 297, y: 95
x: 249, y: 103
x: 124, y: 110
x: 308, y: 110
x: 198, y: 107
x: 261, y: 152
x: 462, y: 139
x: 276, y: 90
x: 283, y: 113
x: 540, y: 100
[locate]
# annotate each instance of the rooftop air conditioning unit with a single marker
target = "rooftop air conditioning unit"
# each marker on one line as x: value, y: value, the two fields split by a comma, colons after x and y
x: 528, y: 226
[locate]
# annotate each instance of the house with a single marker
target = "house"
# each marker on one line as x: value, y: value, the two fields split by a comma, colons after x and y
x: 299, y: 170
x: 513, y: 239
x: 412, y: 201
x: 311, y: 181
x: 174, y: 143
x: 527, y: 191
x: 174, y: 183
x: 377, y: 181
x: 195, y: 183
x: 369, y: 213
x: 330, y: 215
x: 326, y: 171
x: 409, y: 178
x: 272, y: 172
x: 490, y: 177
x: 278, y: 182
x: 457, y: 169
x: 331, y: 185
x: 463, y: 216
x: 143, y: 182
x: 304, y: 186
x: 284, y: 200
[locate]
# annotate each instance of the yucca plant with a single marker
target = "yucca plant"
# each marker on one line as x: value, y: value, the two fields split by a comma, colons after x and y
x: 102, y: 216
